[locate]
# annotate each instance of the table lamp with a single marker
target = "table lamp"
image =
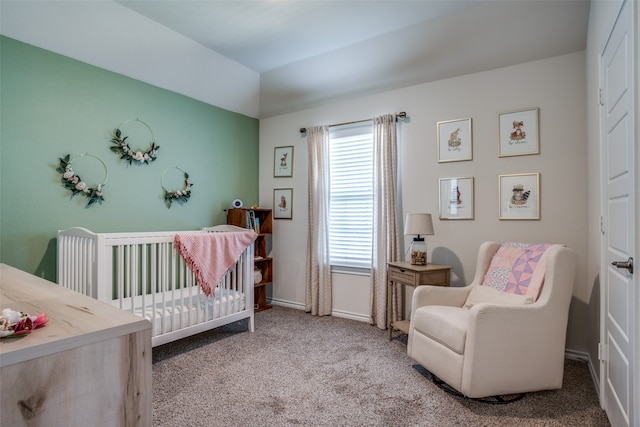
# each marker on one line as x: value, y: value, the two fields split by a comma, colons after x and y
x: 418, y: 224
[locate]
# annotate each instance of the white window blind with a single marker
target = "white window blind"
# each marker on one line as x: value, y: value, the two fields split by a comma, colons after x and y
x: 351, y: 195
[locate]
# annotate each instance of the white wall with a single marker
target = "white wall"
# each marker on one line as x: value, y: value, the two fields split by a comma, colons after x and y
x: 556, y: 86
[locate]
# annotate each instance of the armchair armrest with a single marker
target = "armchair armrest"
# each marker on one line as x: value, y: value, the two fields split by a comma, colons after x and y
x: 438, y: 295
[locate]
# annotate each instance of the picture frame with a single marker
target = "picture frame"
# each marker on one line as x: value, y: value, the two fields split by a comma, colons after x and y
x: 455, y: 140
x: 457, y: 198
x: 518, y: 133
x: 519, y: 196
x: 283, y: 203
x: 283, y: 162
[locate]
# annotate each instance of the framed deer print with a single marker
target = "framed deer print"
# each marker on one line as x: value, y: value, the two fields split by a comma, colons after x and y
x: 283, y: 162
x: 455, y: 140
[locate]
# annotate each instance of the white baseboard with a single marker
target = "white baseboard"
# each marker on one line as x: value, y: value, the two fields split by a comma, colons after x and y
x: 337, y: 313
x: 288, y: 304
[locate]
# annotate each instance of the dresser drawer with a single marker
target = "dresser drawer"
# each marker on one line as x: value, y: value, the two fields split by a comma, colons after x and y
x: 407, y: 277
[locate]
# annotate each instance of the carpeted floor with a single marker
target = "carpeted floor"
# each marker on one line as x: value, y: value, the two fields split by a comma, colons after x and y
x: 301, y: 370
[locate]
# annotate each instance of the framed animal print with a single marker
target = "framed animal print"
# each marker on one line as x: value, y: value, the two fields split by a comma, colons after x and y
x: 519, y: 196
x: 455, y: 142
x: 283, y: 162
x: 456, y: 198
x: 283, y: 203
x: 518, y: 133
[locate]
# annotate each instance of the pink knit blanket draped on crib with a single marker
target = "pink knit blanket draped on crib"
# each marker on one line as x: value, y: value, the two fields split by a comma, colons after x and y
x: 211, y: 255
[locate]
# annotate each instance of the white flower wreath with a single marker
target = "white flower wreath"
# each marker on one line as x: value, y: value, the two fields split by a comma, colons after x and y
x: 180, y: 196
x: 137, y: 157
x: 73, y: 182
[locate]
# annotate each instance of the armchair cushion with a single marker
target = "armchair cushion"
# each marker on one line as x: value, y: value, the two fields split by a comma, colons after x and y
x: 518, y: 268
x: 444, y: 324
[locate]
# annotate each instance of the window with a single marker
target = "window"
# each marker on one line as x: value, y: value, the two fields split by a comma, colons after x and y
x: 351, y: 195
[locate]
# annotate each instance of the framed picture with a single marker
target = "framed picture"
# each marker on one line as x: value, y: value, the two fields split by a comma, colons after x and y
x: 455, y: 141
x: 519, y: 196
x: 518, y: 133
x: 283, y: 203
x: 283, y: 161
x: 456, y: 198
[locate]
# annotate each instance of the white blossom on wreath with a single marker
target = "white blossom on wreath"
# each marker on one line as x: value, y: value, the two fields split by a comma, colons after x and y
x: 137, y: 157
x: 180, y: 196
x: 76, y: 185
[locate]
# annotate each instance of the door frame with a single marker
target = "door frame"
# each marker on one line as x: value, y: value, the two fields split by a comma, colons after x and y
x: 635, y: 363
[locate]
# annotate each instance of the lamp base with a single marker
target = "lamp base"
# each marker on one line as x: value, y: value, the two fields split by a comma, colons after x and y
x: 418, y: 251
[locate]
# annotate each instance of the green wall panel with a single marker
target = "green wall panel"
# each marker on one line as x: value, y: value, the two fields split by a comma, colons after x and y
x: 51, y: 106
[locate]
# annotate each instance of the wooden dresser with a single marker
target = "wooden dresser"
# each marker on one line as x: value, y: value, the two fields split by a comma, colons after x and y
x: 90, y: 365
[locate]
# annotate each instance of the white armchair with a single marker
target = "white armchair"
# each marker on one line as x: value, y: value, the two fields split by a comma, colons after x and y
x: 500, y: 343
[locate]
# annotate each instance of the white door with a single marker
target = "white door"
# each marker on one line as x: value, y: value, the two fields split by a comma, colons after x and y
x: 619, y: 336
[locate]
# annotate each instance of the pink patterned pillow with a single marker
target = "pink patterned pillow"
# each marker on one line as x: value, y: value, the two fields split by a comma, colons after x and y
x: 518, y: 268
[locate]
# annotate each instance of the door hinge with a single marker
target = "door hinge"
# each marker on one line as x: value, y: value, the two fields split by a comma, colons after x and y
x: 602, y: 225
x: 603, y: 352
x: 601, y: 96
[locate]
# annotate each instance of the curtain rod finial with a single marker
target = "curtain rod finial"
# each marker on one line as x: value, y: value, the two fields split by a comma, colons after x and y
x: 303, y: 131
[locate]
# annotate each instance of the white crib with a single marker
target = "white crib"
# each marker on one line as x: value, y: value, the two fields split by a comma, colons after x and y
x: 143, y: 273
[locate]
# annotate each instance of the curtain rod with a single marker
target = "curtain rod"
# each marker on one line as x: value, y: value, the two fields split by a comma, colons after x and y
x: 401, y: 115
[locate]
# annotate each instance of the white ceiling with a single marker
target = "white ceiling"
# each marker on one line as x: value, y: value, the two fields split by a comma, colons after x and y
x: 312, y: 52
x: 264, y: 35
x: 296, y: 54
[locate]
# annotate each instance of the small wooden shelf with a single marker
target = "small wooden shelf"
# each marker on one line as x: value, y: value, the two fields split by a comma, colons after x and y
x: 246, y: 218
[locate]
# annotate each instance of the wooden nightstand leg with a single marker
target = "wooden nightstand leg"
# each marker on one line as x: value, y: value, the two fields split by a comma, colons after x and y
x: 389, y: 308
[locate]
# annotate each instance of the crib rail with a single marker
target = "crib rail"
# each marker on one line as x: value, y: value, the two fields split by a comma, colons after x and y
x: 143, y: 273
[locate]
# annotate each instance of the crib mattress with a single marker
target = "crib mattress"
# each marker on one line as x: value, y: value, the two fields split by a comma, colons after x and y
x: 170, y: 311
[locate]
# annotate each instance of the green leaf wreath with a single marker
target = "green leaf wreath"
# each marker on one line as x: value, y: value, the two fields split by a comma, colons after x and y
x: 122, y: 148
x: 180, y: 196
x: 76, y: 185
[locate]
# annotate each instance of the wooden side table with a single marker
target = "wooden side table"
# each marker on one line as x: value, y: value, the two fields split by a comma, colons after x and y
x: 404, y: 273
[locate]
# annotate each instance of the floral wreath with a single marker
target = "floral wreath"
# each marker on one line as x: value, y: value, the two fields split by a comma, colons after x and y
x: 180, y: 196
x: 137, y: 157
x: 73, y: 182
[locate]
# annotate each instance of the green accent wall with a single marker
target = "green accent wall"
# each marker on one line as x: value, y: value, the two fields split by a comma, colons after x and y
x: 51, y: 106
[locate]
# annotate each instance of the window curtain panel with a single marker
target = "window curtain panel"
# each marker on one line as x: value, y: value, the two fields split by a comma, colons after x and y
x: 318, y: 291
x: 385, y: 223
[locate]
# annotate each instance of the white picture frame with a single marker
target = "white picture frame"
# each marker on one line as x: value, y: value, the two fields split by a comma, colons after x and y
x: 519, y: 196
x: 457, y: 198
x: 518, y: 133
x: 455, y: 140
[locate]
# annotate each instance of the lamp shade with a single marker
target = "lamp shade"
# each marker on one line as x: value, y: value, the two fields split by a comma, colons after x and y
x: 418, y: 224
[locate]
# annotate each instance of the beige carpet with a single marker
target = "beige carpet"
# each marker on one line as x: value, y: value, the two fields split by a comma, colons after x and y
x: 301, y: 370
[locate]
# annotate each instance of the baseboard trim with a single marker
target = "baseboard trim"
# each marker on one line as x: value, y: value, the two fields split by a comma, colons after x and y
x: 288, y: 304
x: 337, y: 313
